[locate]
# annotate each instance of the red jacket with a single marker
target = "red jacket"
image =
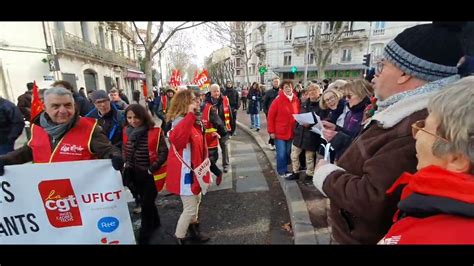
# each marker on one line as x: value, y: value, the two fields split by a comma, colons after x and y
x: 280, y: 116
x: 438, y: 208
x: 188, y: 139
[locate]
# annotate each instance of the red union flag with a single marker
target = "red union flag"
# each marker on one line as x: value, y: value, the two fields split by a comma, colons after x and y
x: 203, y: 79
x: 36, y: 104
x: 196, y: 76
x: 60, y: 203
x: 175, y: 79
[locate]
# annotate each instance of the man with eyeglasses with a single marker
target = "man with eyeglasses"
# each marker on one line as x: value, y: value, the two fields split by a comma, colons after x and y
x: 417, y: 64
x: 108, y: 116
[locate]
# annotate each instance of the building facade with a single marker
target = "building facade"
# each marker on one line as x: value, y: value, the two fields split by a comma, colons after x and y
x: 92, y: 55
x: 281, y: 47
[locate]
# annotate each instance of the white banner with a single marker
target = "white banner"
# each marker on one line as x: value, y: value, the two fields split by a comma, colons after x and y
x: 79, y: 202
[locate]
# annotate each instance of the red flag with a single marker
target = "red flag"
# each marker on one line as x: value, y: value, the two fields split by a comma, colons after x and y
x: 196, y: 75
x: 203, y: 79
x: 36, y: 104
x: 145, y: 90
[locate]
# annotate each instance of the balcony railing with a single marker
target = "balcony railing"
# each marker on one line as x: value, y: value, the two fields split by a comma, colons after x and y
x: 260, y: 47
x: 68, y: 43
x: 299, y: 41
x: 378, y: 32
x: 347, y: 35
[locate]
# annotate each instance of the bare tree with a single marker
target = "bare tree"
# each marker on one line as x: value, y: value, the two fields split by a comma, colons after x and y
x: 155, y: 43
x: 180, y: 53
x: 190, y: 70
x: 324, y: 44
x: 234, y: 35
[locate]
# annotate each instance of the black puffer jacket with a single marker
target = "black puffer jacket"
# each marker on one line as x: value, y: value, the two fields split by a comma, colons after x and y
x: 233, y: 96
x: 11, y: 122
x: 268, y: 98
x: 304, y: 138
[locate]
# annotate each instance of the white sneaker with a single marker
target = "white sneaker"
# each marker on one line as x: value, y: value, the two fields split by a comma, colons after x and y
x: 271, y: 147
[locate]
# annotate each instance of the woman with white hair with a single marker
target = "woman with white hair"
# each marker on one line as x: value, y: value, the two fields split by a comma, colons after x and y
x: 437, y: 203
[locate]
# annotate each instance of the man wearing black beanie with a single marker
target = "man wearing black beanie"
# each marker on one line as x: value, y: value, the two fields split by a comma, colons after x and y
x: 417, y: 64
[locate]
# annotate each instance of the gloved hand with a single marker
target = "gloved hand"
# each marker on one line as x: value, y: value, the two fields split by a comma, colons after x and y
x: 117, y: 162
x: 2, y: 167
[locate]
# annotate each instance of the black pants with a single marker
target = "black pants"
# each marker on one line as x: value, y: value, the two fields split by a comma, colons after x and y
x: 213, y: 156
x: 145, y: 186
x: 233, y: 122
x: 244, y: 103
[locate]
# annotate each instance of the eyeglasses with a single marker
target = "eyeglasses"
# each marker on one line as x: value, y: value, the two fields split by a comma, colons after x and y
x: 420, y: 125
x: 331, y: 99
x: 379, y: 67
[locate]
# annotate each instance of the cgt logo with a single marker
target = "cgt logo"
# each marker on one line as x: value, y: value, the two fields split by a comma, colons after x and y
x: 60, y: 203
x: 108, y: 224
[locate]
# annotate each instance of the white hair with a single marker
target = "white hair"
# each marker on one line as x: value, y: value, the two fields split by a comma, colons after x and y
x: 60, y: 91
x: 453, y: 107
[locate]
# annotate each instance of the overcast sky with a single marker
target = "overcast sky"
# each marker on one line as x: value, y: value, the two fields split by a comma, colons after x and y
x: 201, y: 44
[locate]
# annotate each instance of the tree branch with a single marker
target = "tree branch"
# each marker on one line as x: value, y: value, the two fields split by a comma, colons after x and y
x: 140, y: 37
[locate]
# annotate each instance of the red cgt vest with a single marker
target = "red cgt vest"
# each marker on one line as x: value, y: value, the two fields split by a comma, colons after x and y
x: 153, y: 141
x: 74, y: 146
x: 226, y: 107
x: 212, y: 140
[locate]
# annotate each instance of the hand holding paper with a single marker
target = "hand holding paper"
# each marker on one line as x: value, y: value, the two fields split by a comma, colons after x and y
x: 304, y: 118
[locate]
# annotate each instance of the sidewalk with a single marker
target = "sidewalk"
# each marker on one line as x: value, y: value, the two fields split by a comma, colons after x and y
x: 306, y: 205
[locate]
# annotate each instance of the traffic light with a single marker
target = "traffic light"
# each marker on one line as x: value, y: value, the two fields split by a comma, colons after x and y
x: 366, y: 61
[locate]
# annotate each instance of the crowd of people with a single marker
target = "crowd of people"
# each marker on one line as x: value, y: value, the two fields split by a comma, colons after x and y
x: 394, y: 153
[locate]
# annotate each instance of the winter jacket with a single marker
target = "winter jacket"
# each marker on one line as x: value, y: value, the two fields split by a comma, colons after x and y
x: 333, y: 115
x: 24, y: 103
x: 245, y: 92
x: 436, y: 207
x: 124, y: 98
x: 361, y: 212
x: 11, y: 122
x: 269, y: 97
x: 280, y: 116
x: 254, y: 103
x: 83, y: 106
x: 233, y: 96
x: 188, y: 140
x: 219, y: 108
x: 304, y: 138
x: 99, y: 145
x: 136, y: 153
x: 352, y: 127
x: 121, y: 105
x: 112, y: 123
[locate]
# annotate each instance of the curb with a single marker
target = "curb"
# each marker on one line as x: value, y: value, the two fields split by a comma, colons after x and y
x: 303, y: 230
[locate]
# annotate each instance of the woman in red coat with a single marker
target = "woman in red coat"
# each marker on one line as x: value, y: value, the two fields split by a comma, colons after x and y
x: 437, y: 203
x: 281, y: 124
x: 188, y: 151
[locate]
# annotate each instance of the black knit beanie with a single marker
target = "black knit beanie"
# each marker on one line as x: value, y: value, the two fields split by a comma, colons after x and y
x: 428, y: 51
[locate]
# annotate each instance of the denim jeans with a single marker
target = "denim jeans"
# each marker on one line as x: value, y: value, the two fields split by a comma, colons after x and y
x: 255, y: 120
x: 283, y: 149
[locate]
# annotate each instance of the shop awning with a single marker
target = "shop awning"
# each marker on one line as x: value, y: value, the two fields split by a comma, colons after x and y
x: 135, y: 74
x: 315, y: 68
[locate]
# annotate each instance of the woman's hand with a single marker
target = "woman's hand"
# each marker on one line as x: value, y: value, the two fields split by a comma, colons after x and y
x: 329, y: 134
x: 328, y: 125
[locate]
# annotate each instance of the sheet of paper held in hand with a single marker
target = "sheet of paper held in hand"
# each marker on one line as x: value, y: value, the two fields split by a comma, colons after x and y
x: 304, y: 118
